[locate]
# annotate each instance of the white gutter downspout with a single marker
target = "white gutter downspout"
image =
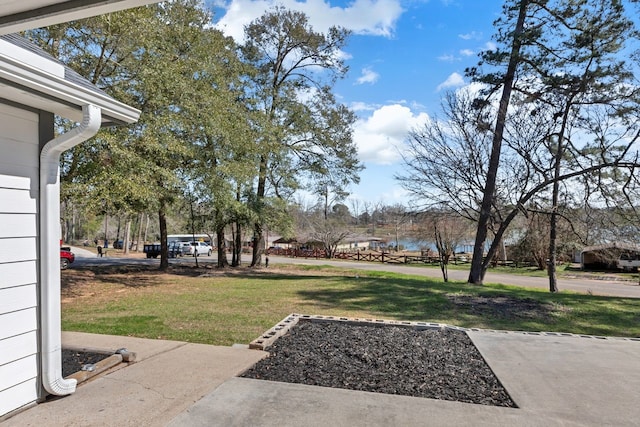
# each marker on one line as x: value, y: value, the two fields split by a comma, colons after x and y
x: 50, y: 323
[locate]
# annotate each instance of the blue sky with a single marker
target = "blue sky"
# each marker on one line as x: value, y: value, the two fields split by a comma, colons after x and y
x: 403, y: 56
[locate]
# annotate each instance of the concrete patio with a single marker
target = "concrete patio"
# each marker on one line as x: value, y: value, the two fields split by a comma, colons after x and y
x: 556, y: 380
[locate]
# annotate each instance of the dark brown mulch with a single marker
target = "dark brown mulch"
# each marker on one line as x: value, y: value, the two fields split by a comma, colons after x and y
x: 73, y: 361
x: 437, y: 363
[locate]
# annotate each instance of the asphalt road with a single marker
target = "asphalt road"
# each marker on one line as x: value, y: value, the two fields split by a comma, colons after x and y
x: 607, y: 287
x: 597, y: 287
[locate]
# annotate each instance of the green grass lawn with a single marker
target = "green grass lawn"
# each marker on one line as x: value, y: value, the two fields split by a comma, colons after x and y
x: 225, y: 308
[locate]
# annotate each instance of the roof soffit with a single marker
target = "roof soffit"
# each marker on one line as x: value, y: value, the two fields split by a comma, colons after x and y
x: 21, y: 15
x: 33, y: 87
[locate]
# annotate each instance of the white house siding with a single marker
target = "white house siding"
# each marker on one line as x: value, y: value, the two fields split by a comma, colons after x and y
x: 18, y: 258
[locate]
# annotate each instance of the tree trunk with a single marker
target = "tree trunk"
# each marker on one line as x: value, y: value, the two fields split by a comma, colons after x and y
x: 258, y: 237
x: 118, y: 229
x: 443, y: 258
x: 326, y: 202
x: 193, y: 234
x: 237, y: 246
x: 222, y: 250
x: 164, y: 250
x: 139, y: 238
x: 127, y: 236
x: 476, y: 275
x: 553, y: 221
x: 553, y: 280
x: 146, y: 228
x: 234, y: 243
x: 258, y: 244
x: 106, y: 227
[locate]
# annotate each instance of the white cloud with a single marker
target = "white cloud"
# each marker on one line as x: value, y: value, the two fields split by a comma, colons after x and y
x: 472, y: 90
x: 374, y: 17
x: 490, y: 46
x: 361, y: 106
x: 368, y: 76
x: 380, y: 137
x: 471, y: 36
x: 341, y: 54
x: 454, y: 58
x: 447, y: 58
x: 385, y: 192
x: 454, y: 80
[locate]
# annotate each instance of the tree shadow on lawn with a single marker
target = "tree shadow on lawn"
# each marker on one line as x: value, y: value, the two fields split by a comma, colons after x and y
x: 410, y: 298
x: 74, y: 281
x: 404, y: 299
x: 494, y: 307
x: 138, y: 276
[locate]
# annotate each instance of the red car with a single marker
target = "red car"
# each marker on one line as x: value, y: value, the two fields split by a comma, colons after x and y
x: 66, y: 258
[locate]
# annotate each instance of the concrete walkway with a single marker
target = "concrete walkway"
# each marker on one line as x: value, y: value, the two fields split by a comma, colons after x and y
x: 556, y: 380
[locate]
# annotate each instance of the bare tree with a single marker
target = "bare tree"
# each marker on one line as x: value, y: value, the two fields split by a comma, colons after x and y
x: 356, y: 206
x: 448, y: 231
x: 445, y: 161
x: 567, y: 57
x: 397, y: 216
x: 330, y: 232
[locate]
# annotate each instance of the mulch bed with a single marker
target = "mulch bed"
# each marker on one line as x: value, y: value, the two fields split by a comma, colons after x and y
x: 73, y: 361
x: 435, y: 363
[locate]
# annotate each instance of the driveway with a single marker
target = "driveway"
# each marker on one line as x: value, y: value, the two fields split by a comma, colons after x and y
x: 608, y: 287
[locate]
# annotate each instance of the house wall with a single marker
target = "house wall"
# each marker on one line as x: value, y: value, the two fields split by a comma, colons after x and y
x: 362, y: 245
x: 18, y: 258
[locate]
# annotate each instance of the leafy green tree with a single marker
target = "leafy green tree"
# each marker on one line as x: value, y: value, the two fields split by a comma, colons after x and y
x: 183, y: 76
x: 99, y: 49
x: 217, y: 124
x: 304, y: 131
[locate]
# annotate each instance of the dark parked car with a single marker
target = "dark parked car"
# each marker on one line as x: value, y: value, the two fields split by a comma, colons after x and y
x: 66, y: 257
x: 176, y: 249
x: 118, y: 244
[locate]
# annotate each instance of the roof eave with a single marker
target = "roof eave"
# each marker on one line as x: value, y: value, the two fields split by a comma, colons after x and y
x: 36, y: 88
x: 63, y: 11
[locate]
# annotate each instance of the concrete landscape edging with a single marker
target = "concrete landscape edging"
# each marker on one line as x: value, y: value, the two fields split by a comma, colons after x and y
x: 281, y: 328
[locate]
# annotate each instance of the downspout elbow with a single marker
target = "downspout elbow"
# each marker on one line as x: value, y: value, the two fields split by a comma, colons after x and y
x: 51, y: 324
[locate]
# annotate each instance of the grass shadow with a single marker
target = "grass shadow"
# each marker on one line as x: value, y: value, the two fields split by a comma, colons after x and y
x: 489, y: 306
x: 400, y: 298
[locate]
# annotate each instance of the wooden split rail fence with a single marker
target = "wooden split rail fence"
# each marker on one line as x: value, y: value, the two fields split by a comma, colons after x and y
x: 388, y: 257
x: 368, y: 256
